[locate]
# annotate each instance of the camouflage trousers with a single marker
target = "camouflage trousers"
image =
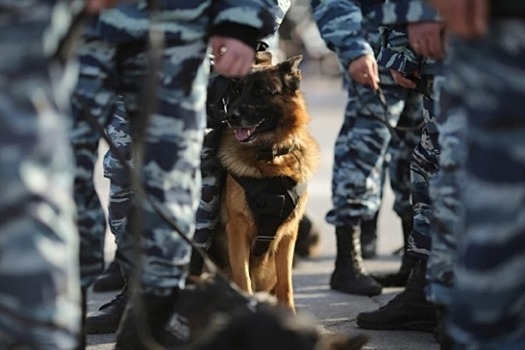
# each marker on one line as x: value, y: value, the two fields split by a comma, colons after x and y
x: 436, y: 172
x: 213, y: 177
x: 360, y: 151
x: 39, y: 282
x: 423, y: 166
x: 445, y: 188
x: 487, y: 84
x: 169, y: 168
x: 120, y: 185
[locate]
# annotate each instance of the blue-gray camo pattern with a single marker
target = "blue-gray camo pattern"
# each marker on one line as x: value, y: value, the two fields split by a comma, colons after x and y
x: 39, y: 288
x: 436, y: 173
x: 445, y: 188
x: 487, y: 85
x: 350, y: 29
x: 114, y: 61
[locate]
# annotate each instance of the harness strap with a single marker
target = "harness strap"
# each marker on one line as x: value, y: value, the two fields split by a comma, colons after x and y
x: 271, y: 201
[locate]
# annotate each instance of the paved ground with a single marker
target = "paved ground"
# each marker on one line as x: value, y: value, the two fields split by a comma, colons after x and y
x: 333, y: 311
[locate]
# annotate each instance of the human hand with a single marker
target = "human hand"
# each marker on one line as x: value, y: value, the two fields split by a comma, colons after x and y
x: 402, y: 80
x: 232, y: 57
x: 95, y: 6
x: 426, y: 38
x: 465, y: 18
x: 363, y: 70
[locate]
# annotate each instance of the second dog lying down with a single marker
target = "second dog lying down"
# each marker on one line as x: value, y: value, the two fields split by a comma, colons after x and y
x: 214, y: 314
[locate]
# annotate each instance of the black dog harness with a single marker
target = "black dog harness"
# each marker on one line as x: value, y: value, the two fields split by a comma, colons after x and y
x: 271, y: 200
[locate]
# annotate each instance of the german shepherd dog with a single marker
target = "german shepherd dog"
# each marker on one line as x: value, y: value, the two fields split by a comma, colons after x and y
x: 269, y: 155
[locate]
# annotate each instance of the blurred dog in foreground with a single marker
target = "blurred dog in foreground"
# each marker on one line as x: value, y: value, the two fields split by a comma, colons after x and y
x: 213, y: 314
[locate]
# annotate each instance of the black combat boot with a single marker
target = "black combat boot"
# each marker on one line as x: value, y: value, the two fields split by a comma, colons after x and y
x: 369, y: 237
x: 440, y: 334
x: 399, y: 278
x: 409, y: 310
x: 107, y: 318
x: 83, y: 308
x: 143, y: 326
x: 110, y: 280
x: 349, y: 275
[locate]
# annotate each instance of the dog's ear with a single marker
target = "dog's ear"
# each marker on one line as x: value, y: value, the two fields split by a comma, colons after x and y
x: 263, y: 58
x: 291, y: 73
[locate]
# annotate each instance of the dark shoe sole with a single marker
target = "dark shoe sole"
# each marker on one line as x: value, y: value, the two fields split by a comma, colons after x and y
x: 101, y: 329
x: 422, y: 326
x: 370, y: 292
x: 398, y: 279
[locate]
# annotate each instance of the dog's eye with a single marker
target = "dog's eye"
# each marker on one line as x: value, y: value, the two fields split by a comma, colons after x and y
x: 265, y: 91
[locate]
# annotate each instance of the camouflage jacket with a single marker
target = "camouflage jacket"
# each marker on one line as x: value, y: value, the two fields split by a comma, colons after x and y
x: 348, y: 27
x: 247, y: 20
x: 396, y: 52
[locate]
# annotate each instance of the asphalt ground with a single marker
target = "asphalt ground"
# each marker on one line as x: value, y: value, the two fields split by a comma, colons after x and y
x: 333, y: 311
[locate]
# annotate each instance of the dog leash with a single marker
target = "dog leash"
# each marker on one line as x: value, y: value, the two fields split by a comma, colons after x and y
x: 380, y: 95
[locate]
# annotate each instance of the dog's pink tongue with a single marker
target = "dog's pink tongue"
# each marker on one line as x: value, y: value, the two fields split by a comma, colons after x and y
x: 243, y: 134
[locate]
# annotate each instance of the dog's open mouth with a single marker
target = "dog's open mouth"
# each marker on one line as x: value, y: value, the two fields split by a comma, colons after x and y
x: 245, y: 134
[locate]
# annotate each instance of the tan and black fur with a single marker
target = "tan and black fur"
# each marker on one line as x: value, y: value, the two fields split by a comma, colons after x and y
x: 268, y: 136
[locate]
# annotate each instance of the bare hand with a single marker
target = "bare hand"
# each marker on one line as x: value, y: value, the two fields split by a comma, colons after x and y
x: 363, y: 70
x: 401, y: 80
x: 232, y: 57
x: 465, y: 18
x: 426, y: 38
x: 95, y: 6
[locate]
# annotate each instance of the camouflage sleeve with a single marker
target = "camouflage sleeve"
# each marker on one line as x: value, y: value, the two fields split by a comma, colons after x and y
x: 247, y: 20
x: 406, y: 11
x: 340, y: 25
x: 395, y: 52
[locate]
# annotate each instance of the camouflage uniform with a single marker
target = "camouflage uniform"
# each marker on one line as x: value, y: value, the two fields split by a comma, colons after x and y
x: 437, y: 212
x: 397, y: 55
x: 120, y: 189
x: 444, y: 190
x: 487, y: 85
x: 114, y: 61
x: 350, y: 29
x: 39, y: 289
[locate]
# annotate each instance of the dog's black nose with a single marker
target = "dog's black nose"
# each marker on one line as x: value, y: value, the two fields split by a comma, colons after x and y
x: 234, y: 116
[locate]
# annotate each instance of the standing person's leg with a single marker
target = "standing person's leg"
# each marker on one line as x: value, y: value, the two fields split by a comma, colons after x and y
x: 359, y: 154
x: 447, y: 207
x: 106, y: 319
x: 488, y: 304
x: 410, y: 310
x: 94, y: 98
x: 119, y: 192
x: 171, y: 177
x: 409, y: 132
x: 39, y: 283
x: 213, y: 176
